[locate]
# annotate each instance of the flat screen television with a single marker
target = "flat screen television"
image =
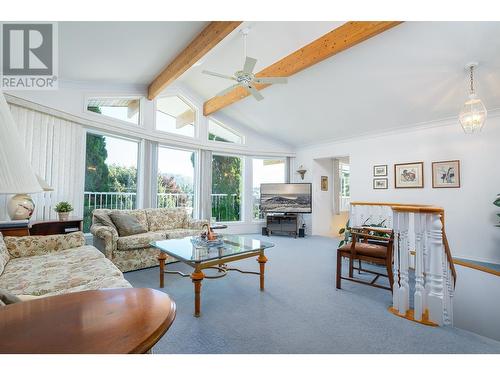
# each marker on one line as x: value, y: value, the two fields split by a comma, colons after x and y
x: 286, y: 198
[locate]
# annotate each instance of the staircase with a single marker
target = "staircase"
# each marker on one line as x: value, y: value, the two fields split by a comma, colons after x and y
x: 420, y: 244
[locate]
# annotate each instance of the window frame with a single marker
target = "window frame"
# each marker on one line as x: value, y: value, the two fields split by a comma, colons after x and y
x: 259, y: 221
x: 113, y: 120
x: 227, y: 127
x: 196, y: 135
x: 196, y: 176
x: 243, y: 185
x: 139, y: 199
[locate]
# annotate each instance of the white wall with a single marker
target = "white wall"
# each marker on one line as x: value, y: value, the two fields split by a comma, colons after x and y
x: 323, y: 200
x: 470, y: 214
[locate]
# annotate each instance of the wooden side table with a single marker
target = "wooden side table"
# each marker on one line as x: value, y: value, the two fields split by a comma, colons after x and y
x: 42, y: 227
x: 107, y: 321
x: 46, y: 227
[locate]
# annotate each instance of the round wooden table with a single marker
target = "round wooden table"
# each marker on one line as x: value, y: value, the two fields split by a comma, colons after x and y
x: 99, y: 321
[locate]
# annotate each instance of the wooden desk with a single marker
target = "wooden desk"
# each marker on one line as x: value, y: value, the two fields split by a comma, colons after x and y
x: 104, y: 321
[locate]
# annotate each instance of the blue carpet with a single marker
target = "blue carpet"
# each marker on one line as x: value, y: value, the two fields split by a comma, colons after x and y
x: 299, y: 312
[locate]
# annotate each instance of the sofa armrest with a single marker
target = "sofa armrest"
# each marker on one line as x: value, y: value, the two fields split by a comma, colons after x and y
x: 41, y: 245
x: 195, y: 224
x: 105, y: 239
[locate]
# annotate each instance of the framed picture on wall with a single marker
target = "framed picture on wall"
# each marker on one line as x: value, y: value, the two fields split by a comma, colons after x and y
x: 446, y: 174
x: 379, y: 170
x: 324, y: 183
x: 380, y: 183
x: 409, y: 175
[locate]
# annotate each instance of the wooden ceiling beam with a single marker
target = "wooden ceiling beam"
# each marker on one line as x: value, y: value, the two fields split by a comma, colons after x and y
x: 337, y: 40
x: 199, y: 46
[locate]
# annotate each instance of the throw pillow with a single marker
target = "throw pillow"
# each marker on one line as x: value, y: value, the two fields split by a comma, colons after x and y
x: 127, y: 225
x: 7, y: 298
x: 4, y: 254
x: 104, y: 220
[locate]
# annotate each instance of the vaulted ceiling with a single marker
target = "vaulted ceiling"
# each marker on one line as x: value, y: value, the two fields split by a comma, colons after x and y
x: 412, y: 73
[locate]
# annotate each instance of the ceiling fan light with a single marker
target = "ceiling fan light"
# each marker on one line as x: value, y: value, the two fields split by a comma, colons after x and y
x: 473, y: 115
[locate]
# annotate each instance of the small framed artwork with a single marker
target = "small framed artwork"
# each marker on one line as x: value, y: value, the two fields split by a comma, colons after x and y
x: 324, y: 183
x: 409, y: 175
x: 379, y: 170
x: 446, y: 174
x: 380, y: 183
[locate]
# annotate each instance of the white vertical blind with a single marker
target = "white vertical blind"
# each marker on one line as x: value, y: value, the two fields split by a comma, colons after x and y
x: 56, y: 150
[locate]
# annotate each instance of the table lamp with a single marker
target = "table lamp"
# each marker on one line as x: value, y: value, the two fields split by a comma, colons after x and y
x: 16, y: 175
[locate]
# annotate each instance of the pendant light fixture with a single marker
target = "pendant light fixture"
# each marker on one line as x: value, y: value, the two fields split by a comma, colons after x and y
x: 473, y: 114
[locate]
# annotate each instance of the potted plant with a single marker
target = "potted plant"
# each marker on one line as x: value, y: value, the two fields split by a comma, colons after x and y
x: 63, y: 209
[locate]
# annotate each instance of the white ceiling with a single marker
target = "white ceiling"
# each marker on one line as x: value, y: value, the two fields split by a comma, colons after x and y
x: 410, y: 74
x: 120, y: 52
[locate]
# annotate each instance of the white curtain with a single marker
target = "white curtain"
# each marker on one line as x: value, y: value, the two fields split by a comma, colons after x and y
x: 206, y: 184
x: 56, y: 151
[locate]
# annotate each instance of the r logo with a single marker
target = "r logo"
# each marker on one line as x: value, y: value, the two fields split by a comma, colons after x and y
x: 27, y: 49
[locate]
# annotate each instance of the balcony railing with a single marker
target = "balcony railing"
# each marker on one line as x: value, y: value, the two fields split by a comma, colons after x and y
x: 225, y: 207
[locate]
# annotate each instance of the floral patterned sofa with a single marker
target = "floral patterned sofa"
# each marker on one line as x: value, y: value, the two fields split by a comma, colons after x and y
x: 56, y: 264
x: 134, y: 252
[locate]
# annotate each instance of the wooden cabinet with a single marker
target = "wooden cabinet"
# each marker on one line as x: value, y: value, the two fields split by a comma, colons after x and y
x: 42, y: 228
x: 287, y: 224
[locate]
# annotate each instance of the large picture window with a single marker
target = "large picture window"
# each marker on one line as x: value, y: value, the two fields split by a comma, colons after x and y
x: 176, y: 178
x: 265, y: 171
x: 174, y: 115
x: 110, y: 175
x: 226, y: 187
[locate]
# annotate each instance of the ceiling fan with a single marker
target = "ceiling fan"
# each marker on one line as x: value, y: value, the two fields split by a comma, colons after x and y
x: 245, y: 77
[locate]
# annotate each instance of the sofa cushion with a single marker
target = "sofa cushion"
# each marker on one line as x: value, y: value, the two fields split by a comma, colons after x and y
x: 127, y: 225
x: 166, y: 218
x: 103, y: 219
x: 181, y: 233
x: 139, y: 241
x: 139, y: 214
x: 39, y: 245
x: 50, y: 273
x: 4, y: 254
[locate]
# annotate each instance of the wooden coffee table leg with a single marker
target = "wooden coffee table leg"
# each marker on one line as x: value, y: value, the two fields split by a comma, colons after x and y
x: 162, y: 258
x: 197, y: 276
x: 262, y: 263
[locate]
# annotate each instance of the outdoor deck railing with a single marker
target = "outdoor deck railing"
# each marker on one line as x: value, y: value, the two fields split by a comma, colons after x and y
x: 225, y: 207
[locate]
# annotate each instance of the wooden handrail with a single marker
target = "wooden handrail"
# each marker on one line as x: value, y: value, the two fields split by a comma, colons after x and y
x: 449, y: 257
x: 419, y: 208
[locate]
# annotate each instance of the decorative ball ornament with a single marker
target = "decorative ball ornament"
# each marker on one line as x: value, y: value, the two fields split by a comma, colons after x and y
x: 20, y: 207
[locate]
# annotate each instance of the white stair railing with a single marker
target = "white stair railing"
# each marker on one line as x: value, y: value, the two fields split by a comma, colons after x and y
x: 433, y: 285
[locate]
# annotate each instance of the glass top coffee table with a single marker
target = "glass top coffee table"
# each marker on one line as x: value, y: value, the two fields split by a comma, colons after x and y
x: 232, y: 249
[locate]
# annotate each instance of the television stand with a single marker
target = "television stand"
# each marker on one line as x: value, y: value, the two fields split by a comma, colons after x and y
x: 282, y: 223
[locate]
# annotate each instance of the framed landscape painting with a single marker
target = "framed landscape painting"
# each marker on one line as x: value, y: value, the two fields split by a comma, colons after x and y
x: 409, y: 175
x: 446, y: 174
x: 379, y: 170
x: 380, y: 183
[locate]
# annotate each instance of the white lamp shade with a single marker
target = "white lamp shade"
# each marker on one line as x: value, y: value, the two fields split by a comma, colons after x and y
x: 16, y: 174
x: 473, y: 115
x: 43, y: 184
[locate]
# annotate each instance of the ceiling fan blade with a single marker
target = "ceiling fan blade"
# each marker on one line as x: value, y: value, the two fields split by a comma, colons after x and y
x: 271, y: 80
x: 249, y: 64
x: 256, y: 94
x: 218, y: 75
x: 228, y: 90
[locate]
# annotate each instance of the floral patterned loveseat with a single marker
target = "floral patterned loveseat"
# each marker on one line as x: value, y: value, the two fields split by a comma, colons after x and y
x: 56, y: 264
x: 134, y: 252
